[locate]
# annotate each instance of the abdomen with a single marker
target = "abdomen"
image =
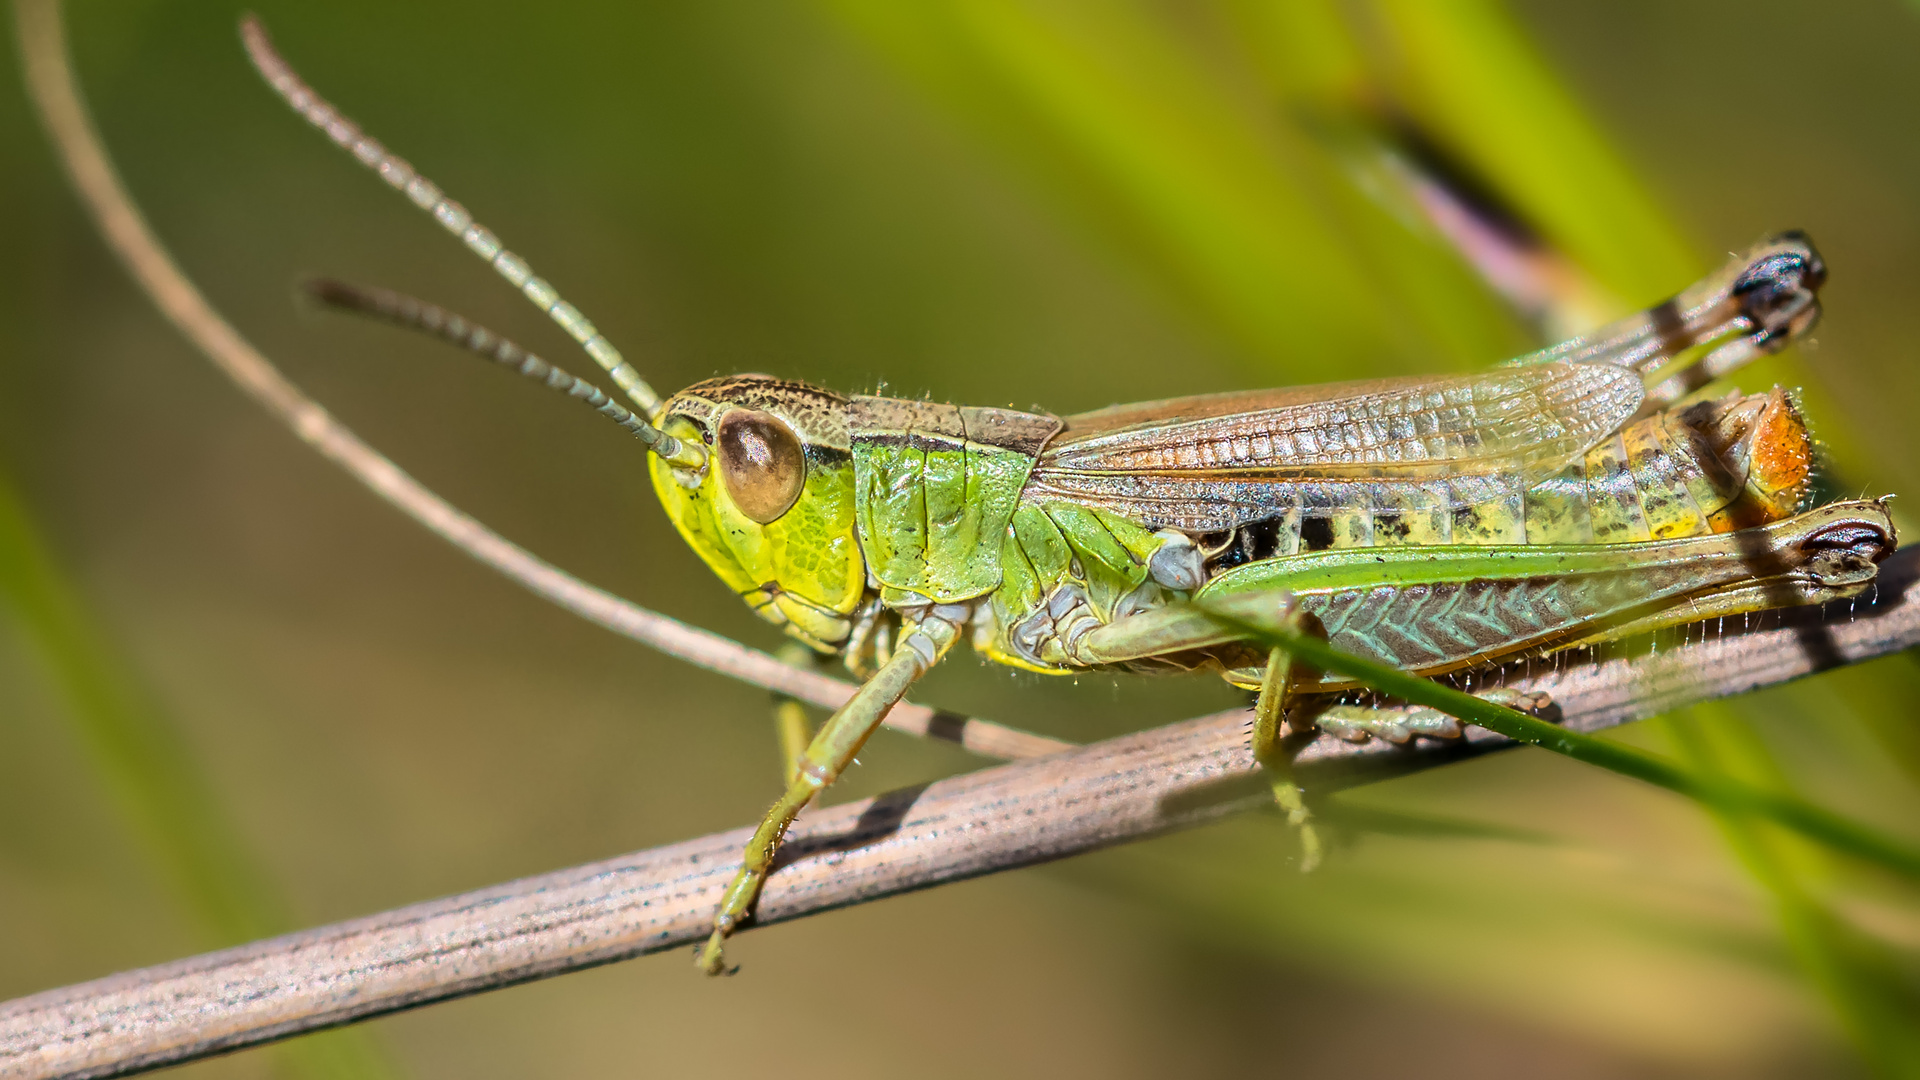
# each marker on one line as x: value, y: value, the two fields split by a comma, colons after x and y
x: 1706, y: 468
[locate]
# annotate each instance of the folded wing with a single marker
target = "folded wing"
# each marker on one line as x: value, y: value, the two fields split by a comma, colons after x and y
x: 1224, y: 460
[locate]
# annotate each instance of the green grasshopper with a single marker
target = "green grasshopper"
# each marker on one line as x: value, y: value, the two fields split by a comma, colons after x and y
x: 1577, y: 495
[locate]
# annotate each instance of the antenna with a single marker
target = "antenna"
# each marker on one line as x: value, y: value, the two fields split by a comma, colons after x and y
x: 416, y: 314
x: 478, y: 238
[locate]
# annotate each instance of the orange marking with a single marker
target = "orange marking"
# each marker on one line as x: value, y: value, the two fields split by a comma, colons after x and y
x: 1782, y: 468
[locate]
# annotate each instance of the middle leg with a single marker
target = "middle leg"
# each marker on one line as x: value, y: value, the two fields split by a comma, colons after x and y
x: 1274, y: 746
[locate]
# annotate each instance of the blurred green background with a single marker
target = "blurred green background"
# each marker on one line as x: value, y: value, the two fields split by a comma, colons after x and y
x: 238, y: 695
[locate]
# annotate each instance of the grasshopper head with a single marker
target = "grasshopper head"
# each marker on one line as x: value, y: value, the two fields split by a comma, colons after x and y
x: 771, y: 509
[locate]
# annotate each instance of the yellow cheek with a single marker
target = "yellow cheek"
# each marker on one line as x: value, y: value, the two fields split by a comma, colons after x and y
x: 750, y: 543
x: 693, y: 517
x: 809, y: 552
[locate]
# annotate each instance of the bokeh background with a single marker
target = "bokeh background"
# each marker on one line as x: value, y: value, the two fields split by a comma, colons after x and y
x: 239, y: 695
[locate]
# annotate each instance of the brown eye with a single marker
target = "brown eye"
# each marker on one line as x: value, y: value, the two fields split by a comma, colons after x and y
x: 761, y: 463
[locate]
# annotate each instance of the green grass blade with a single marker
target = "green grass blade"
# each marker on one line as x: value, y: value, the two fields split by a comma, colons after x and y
x: 147, y: 767
x: 144, y: 762
x: 1469, y: 75
x: 1860, y: 979
x: 1153, y: 139
x: 1466, y: 74
x: 1833, y: 830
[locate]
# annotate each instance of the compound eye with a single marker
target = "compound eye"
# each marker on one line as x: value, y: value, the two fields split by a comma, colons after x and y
x: 761, y: 463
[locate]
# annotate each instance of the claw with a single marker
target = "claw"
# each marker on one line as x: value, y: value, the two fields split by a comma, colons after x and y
x: 711, y: 958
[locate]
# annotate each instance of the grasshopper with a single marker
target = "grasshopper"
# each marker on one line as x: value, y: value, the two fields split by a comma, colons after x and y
x: 1577, y: 495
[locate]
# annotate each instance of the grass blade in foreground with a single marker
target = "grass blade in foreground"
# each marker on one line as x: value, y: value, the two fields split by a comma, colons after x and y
x: 147, y: 766
x: 1859, y: 975
x: 1833, y: 830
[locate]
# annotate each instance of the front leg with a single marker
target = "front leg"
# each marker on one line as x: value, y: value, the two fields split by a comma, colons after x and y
x: 826, y: 757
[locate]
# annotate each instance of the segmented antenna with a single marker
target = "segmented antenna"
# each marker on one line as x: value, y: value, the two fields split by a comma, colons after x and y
x: 457, y: 220
x: 416, y: 314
